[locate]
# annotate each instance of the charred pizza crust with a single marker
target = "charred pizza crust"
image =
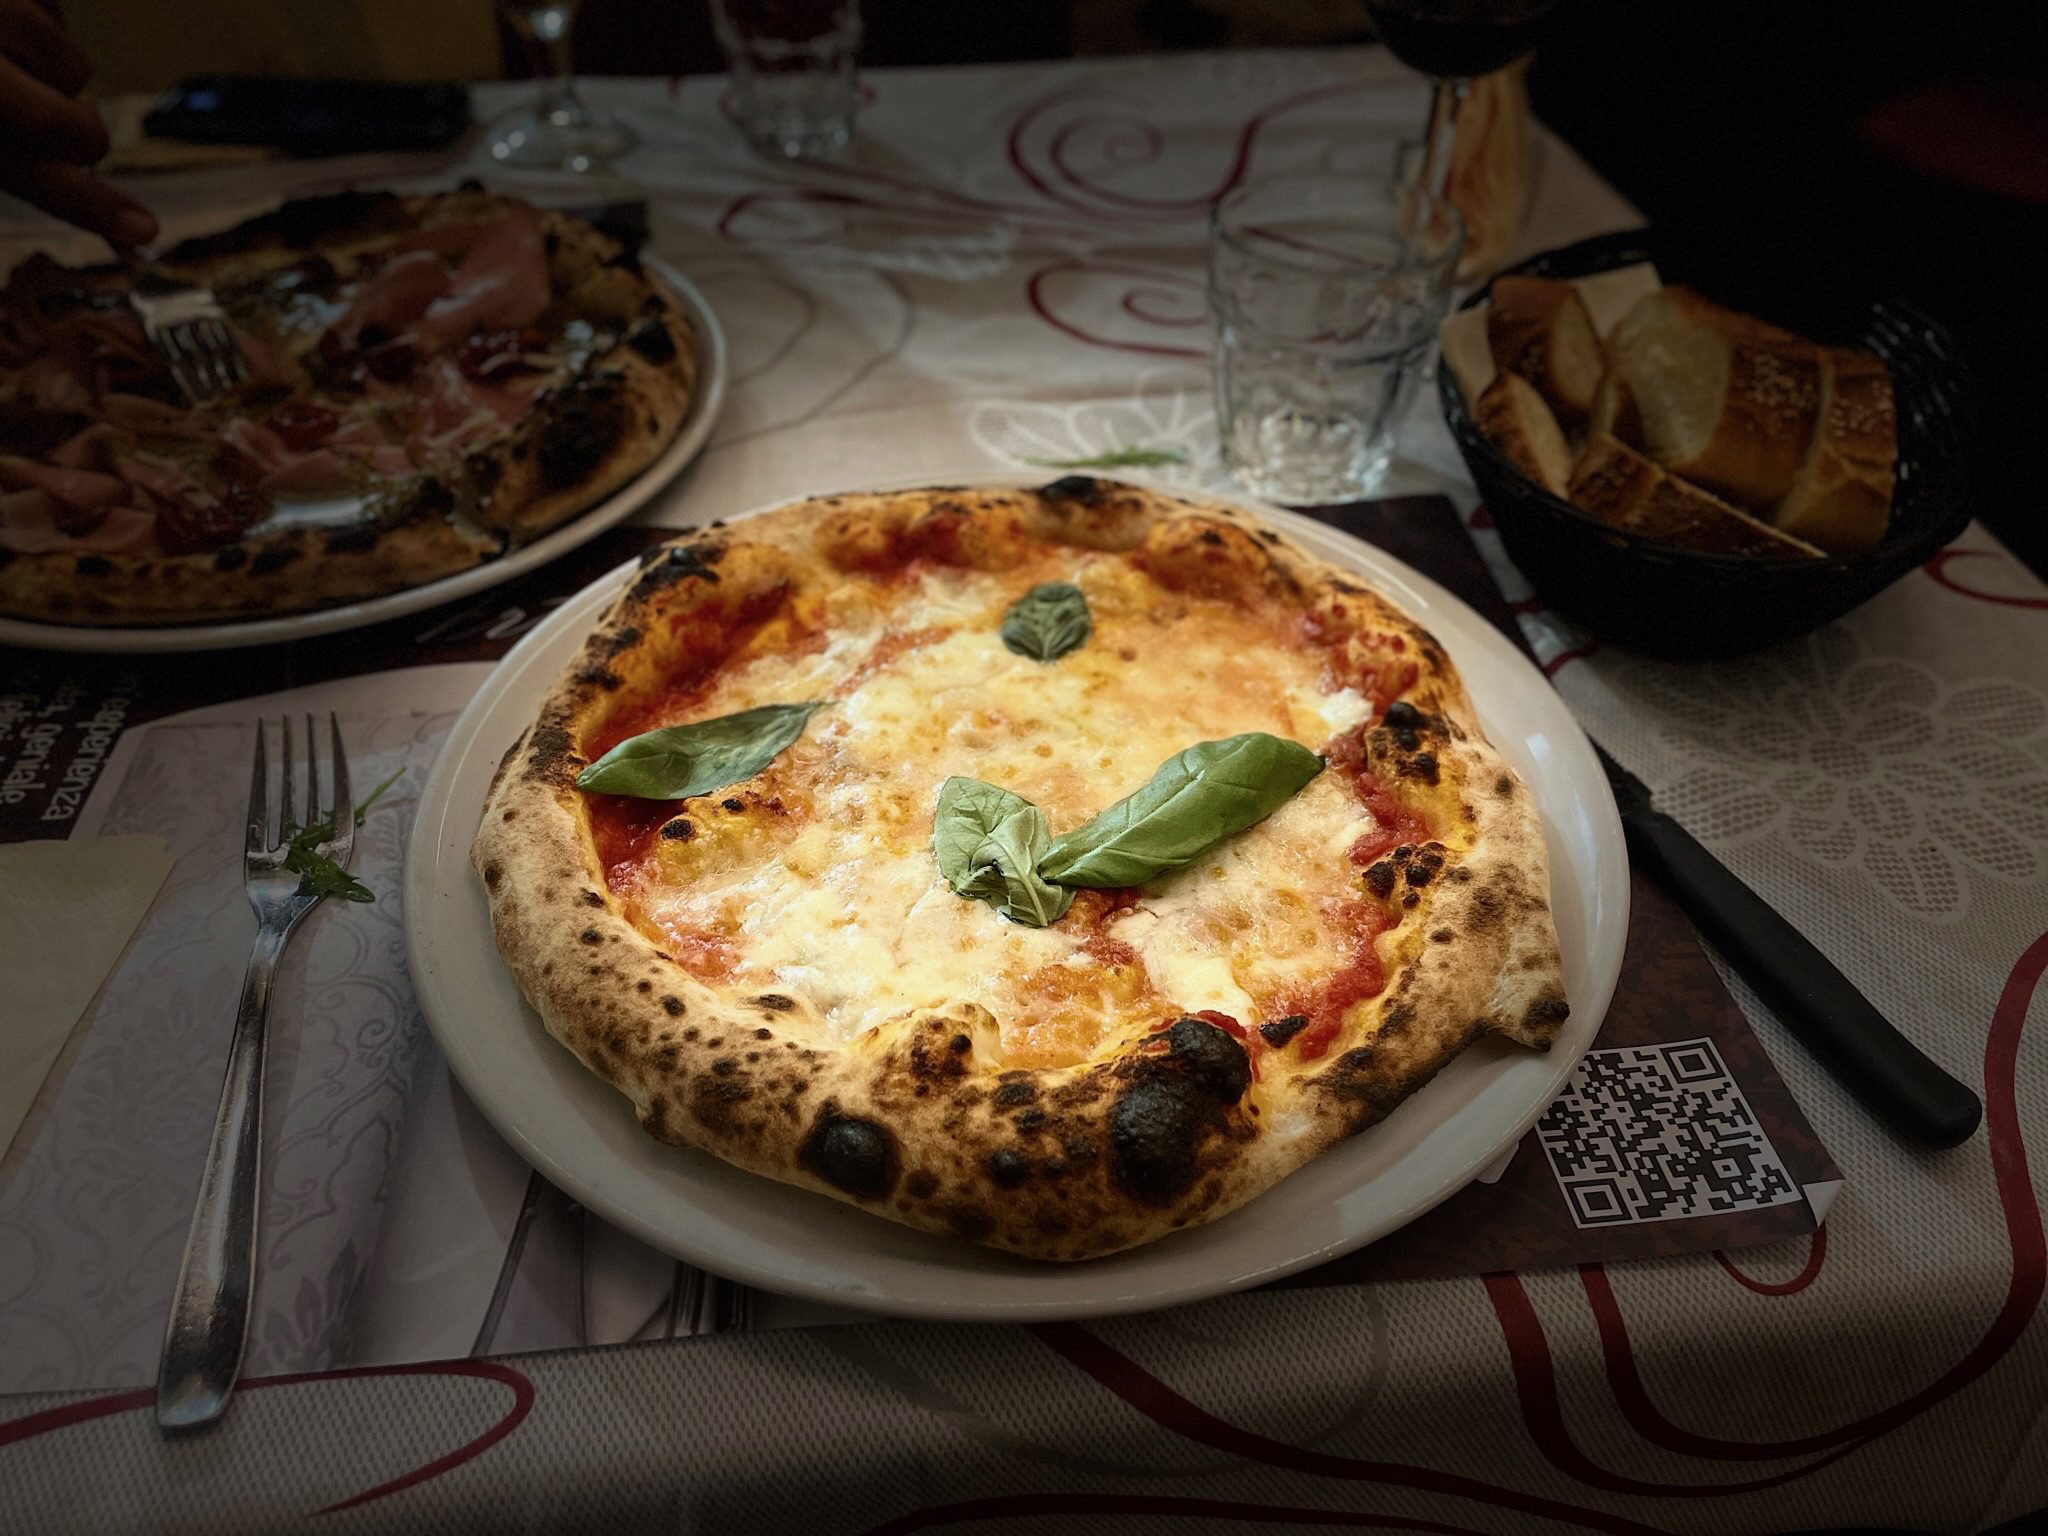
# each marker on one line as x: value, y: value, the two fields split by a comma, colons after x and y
x: 579, y: 441
x: 921, y: 1120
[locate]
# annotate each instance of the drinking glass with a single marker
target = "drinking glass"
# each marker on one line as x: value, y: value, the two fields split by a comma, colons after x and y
x: 1453, y: 41
x: 1327, y: 292
x: 558, y: 132
x: 793, y: 81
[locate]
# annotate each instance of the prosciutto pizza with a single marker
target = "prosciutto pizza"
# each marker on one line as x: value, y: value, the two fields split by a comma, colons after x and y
x: 432, y: 381
x: 1050, y: 868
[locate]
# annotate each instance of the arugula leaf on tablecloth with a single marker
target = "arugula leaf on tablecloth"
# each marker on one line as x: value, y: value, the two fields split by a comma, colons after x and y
x: 1119, y: 458
x: 318, y: 874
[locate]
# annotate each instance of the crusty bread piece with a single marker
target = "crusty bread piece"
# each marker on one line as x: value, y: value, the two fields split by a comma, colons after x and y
x: 1841, y: 498
x: 1615, y: 413
x: 1726, y: 401
x: 1522, y: 427
x: 1619, y: 486
x: 1539, y: 327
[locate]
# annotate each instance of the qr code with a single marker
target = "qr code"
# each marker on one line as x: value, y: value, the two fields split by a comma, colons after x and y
x: 1659, y: 1133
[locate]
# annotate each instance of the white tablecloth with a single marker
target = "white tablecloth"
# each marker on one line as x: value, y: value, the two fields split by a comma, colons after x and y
x: 1008, y: 268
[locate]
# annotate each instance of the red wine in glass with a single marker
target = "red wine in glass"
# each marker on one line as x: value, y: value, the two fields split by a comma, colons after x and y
x: 1452, y: 41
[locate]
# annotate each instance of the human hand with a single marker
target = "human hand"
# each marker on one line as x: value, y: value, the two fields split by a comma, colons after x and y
x: 52, y: 137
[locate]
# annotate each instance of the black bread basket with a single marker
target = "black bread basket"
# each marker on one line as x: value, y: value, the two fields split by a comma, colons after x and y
x: 1673, y: 602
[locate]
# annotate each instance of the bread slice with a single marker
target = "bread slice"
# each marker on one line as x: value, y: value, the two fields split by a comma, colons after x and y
x: 1615, y: 413
x: 1540, y: 328
x: 1725, y: 400
x: 1841, y: 498
x: 1522, y: 427
x: 1622, y: 488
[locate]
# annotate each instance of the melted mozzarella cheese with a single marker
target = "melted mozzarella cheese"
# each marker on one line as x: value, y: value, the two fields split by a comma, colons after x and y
x: 848, y: 908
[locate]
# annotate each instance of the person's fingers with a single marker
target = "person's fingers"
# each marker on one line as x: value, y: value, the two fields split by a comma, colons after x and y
x: 32, y: 37
x: 41, y: 123
x: 76, y: 196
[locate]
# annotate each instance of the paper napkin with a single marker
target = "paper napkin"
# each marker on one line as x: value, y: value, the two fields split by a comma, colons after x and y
x: 67, y: 911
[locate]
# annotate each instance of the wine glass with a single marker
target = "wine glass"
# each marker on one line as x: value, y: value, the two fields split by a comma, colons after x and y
x: 1452, y: 42
x: 559, y: 132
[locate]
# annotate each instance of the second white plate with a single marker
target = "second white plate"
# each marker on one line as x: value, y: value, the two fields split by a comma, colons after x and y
x: 581, y: 1134
x: 226, y: 634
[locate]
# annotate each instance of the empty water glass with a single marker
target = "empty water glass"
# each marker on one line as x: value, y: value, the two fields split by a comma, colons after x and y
x: 1327, y: 292
x: 793, y: 81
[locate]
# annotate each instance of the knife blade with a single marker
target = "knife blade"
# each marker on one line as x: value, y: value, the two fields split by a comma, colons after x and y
x: 1816, y: 1002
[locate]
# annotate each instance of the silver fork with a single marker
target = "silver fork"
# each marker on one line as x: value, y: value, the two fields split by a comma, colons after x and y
x: 187, y: 327
x: 210, y: 1308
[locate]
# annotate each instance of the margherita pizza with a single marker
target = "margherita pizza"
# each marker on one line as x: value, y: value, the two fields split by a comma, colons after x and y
x: 1051, y: 868
x: 432, y: 380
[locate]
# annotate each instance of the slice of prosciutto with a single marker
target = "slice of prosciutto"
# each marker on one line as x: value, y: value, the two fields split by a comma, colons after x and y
x: 392, y: 298
x: 87, y: 490
x: 501, y: 284
x: 29, y: 525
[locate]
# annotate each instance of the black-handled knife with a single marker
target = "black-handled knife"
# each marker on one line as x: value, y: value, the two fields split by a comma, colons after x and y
x: 1820, y: 1005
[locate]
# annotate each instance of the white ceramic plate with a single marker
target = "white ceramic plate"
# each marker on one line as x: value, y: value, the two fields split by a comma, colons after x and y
x: 226, y: 634
x: 581, y: 1134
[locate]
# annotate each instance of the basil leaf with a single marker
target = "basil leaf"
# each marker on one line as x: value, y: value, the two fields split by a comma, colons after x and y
x: 988, y: 842
x: 679, y: 761
x: 1048, y: 621
x: 1120, y: 458
x: 1198, y: 797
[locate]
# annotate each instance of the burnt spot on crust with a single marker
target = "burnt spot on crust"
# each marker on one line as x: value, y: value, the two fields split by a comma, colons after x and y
x: 356, y: 540
x: 1173, y: 1103
x: 852, y: 1154
x: 673, y: 1007
x: 678, y: 831
x: 592, y: 899
x: 1547, y: 1012
x: 230, y: 558
x: 651, y: 339
x: 1380, y: 878
x: 591, y: 936
x: 493, y: 873
x: 1010, y: 1095
x: 776, y: 1002
x: 276, y: 558
x: 968, y: 1221
x: 1085, y: 489
x: 303, y: 221
x: 550, y: 754
x: 94, y: 565
x: 599, y: 677
x: 1278, y: 1032
x: 1421, y: 766
x: 582, y: 425
x: 625, y: 637
x: 1504, y: 787
x: 715, y: 1101
x: 1007, y: 1167
x: 920, y: 1185
x: 732, y: 803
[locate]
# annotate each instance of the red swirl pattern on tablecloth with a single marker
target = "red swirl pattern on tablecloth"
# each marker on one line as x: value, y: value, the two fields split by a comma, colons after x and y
x: 1938, y: 569
x: 1060, y: 179
x: 1809, y: 1272
x: 1535, y: 1377
x: 1147, y: 280
x: 1167, y: 1408
x: 49, y: 1420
